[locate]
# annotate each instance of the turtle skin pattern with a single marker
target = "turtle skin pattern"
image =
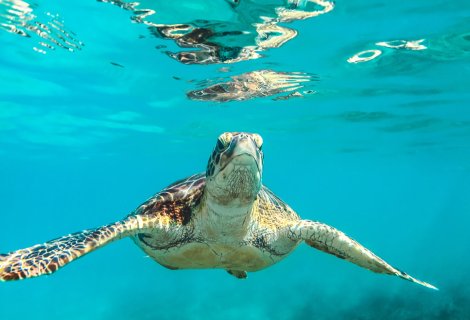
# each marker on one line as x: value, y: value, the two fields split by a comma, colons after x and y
x: 46, y: 258
x: 168, y: 208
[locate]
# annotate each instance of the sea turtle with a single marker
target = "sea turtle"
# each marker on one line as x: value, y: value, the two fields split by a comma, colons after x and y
x: 223, y: 218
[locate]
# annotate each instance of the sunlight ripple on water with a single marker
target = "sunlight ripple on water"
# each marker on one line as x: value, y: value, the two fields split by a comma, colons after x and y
x: 18, y: 17
x: 236, y: 35
x: 239, y: 34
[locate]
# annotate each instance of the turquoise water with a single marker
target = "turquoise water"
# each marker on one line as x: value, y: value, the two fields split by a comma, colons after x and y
x: 102, y: 104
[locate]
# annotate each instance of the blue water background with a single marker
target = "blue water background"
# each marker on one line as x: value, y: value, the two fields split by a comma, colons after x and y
x: 380, y: 151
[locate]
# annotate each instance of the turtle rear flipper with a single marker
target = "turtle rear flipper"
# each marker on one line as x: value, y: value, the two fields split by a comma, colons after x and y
x: 48, y: 257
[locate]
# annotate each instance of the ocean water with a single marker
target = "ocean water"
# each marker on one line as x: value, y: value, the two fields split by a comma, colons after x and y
x: 364, y: 107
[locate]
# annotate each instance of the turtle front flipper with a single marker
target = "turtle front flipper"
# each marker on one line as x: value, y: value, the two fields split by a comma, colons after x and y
x: 46, y: 258
x: 333, y: 241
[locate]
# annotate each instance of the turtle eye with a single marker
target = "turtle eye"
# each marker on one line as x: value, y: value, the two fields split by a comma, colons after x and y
x: 224, y: 140
x: 220, y: 145
x: 258, y: 140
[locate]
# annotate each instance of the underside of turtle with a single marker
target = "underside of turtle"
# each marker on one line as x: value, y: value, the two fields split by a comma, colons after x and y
x: 223, y: 218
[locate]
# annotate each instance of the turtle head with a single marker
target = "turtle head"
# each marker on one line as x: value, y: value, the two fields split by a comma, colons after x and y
x: 233, y: 175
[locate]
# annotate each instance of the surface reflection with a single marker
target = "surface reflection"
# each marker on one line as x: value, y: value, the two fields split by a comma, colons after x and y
x: 256, y: 84
x: 365, y: 56
x: 19, y: 17
x: 453, y: 45
x: 368, y: 55
x: 223, y: 31
x: 403, y: 44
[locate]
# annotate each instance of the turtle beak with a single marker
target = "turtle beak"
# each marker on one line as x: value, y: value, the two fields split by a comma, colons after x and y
x: 245, y: 153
